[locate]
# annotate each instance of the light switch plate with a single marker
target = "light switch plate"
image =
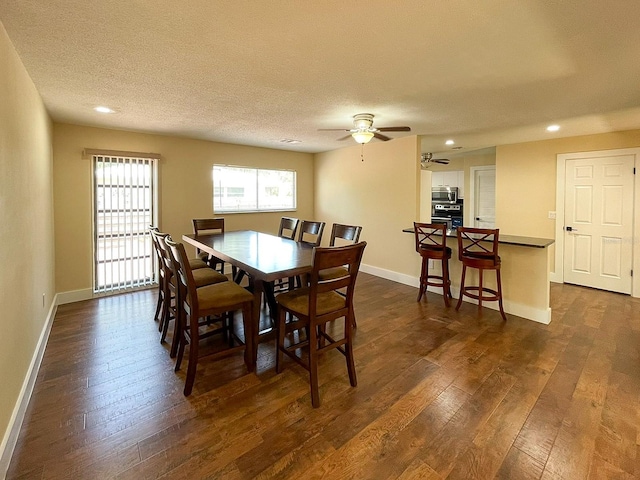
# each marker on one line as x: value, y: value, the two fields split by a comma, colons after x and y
x: 552, y: 215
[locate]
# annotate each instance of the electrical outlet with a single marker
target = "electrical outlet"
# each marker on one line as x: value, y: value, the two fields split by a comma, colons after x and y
x: 552, y: 215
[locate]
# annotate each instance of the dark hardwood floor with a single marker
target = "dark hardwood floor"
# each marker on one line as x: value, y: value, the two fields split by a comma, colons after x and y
x: 441, y: 394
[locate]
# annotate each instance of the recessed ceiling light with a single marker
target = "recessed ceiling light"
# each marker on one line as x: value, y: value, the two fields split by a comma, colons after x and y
x: 103, y: 109
x: 449, y: 142
x: 553, y: 128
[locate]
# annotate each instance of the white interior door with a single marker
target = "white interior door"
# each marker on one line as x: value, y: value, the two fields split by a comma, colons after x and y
x: 484, y: 197
x: 598, y: 218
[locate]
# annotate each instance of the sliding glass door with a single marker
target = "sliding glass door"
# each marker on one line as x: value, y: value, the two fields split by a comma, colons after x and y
x: 124, y: 206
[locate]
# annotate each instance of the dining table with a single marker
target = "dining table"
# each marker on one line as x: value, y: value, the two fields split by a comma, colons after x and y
x: 263, y: 258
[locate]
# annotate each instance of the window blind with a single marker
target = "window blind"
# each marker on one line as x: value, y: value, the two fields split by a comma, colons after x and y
x: 124, y: 207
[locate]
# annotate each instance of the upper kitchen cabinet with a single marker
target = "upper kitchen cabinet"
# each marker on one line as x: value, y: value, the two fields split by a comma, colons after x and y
x: 452, y: 178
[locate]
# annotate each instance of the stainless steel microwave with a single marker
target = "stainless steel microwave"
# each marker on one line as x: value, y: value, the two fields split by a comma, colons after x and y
x: 444, y: 194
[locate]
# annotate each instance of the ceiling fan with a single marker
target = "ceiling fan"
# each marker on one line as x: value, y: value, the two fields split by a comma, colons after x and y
x: 427, y: 158
x: 363, y: 130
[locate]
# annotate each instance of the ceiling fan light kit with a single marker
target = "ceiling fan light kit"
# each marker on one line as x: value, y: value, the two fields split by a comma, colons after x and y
x: 362, y: 137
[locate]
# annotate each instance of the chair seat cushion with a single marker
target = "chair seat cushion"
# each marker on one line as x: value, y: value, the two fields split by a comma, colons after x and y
x: 481, y: 261
x: 222, y: 295
x: 331, y: 273
x: 197, y: 263
x: 298, y: 301
x: 208, y: 276
x: 434, y: 252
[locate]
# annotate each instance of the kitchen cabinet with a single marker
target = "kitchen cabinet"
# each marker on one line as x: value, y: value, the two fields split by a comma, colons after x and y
x: 452, y: 178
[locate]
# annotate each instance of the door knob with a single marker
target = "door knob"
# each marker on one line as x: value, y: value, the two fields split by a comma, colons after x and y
x: 570, y: 229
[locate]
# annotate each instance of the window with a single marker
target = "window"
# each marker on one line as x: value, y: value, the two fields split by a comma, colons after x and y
x: 124, y: 207
x: 245, y: 189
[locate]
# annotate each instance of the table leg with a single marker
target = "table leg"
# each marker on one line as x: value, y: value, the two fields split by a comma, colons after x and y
x: 258, y: 290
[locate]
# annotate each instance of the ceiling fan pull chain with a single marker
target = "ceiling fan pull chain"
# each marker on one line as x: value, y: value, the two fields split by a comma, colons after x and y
x: 362, y: 152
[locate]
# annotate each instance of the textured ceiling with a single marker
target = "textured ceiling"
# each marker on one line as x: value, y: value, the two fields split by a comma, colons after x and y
x: 256, y: 72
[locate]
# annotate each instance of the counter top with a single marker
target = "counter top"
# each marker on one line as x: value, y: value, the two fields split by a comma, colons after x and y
x: 507, y: 239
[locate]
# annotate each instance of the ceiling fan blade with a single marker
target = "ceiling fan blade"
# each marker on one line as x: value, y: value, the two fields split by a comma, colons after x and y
x: 394, y: 129
x: 384, y: 138
x: 443, y: 161
x: 343, y: 138
x: 334, y: 130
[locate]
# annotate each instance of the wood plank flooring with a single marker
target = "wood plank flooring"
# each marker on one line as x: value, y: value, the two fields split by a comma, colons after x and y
x: 441, y: 394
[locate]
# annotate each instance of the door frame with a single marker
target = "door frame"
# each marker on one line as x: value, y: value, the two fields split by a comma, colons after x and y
x: 471, y: 196
x: 557, y: 275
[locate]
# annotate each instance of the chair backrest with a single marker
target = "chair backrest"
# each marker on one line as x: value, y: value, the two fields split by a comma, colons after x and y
x: 208, y: 225
x: 166, y: 262
x: 348, y: 257
x: 432, y: 236
x: 288, y: 227
x: 311, y: 232
x: 185, y: 284
x: 153, y: 230
x: 345, y: 234
x: 482, y: 242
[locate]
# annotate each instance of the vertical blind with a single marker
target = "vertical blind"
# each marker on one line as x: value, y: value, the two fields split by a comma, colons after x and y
x: 124, y: 197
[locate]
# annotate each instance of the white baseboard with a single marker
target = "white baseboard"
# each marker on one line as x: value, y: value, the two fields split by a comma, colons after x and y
x: 15, y: 423
x: 391, y: 275
x: 74, y: 296
x: 524, y: 311
x: 556, y: 277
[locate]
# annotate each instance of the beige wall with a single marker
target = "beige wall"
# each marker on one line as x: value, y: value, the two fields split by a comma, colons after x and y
x: 185, y: 184
x: 380, y: 193
x: 26, y: 235
x: 526, y: 179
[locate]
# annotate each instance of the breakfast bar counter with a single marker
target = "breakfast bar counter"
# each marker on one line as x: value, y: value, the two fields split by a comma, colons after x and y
x: 525, y: 275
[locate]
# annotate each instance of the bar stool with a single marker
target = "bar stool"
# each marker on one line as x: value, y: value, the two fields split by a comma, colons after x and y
x: 477, y: 254
x: 431, y: 244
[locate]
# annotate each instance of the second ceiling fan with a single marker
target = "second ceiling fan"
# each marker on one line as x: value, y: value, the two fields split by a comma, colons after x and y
x: 363, y: 130
x: 426, y: 159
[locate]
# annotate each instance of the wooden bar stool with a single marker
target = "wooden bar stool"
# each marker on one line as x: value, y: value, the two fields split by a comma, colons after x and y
x: 481, y: 252
x: 431, y: 244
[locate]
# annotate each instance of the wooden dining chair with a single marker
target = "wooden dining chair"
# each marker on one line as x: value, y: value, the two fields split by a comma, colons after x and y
x: 288, y: 227
x: 207, y: 311
x: 161, y: 275
x: 202, y: 277
x: 342, y: 235
x: 202, y: 226
x: 311, y: 232
x: 311, y: 308
x: 160, y: 272
x: 478, y: 248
